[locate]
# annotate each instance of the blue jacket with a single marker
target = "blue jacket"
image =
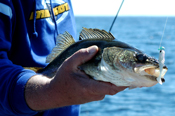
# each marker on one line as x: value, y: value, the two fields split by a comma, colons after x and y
x: 28, y: 31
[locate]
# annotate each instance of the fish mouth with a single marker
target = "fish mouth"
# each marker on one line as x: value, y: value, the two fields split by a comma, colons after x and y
x: 150, y: 71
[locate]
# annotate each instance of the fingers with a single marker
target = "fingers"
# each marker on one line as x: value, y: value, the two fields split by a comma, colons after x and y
x: 83, y: 56
x: 103, y: 88
x: 98, y: 90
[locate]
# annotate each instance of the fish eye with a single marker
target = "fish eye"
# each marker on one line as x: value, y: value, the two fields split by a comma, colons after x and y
x: 160, y: 51
x: 141, y: 57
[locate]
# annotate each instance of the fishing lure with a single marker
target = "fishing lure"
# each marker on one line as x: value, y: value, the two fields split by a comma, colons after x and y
x: 161, y: 63
x: 161, y: 56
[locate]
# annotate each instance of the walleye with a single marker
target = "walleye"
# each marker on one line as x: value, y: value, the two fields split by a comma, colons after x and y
x: 116, y: 62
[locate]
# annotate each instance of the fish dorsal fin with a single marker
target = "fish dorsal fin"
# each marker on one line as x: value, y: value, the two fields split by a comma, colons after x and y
x: 63, y: 41
x: 95, y: 34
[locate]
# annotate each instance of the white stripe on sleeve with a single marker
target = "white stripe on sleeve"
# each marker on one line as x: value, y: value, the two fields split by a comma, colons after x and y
x: 6, y: 10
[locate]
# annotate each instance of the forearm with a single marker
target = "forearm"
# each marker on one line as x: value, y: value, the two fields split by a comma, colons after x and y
x: 37, y: 93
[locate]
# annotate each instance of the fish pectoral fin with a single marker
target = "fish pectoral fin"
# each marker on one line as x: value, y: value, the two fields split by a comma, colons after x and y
x: 36, y: 69
x: 63, y: 41
x: 95, y: 34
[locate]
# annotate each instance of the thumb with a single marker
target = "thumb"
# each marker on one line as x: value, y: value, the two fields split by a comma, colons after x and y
x: 83, y: 55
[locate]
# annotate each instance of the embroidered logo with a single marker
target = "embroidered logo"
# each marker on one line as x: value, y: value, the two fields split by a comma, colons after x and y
x: 45, y: 13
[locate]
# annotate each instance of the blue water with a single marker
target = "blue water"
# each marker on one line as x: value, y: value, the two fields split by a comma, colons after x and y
x: 145, y: 34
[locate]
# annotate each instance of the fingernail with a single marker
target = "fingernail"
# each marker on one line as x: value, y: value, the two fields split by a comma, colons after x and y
x: 92, y: 49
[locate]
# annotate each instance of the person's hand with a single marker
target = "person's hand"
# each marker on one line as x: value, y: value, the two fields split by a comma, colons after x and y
x: 70, y: 86
x: 74, y: 86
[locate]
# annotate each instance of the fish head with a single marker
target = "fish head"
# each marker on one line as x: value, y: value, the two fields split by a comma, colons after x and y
x: 139, y: 69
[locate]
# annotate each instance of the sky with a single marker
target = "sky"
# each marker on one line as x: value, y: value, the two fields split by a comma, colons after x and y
x: 129, y: 7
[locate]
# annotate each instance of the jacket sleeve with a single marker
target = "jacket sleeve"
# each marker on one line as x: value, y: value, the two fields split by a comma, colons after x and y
x: 13, y: 78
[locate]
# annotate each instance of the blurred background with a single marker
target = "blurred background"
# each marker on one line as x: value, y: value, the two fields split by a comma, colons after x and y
x: 140, y: 23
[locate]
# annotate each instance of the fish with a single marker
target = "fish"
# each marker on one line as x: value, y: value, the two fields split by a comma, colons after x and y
x: 116, y: 62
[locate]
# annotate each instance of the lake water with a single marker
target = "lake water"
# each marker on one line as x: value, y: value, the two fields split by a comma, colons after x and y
x: 145, y: 34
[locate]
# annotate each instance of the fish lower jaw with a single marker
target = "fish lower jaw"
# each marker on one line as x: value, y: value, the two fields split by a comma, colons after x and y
x: 153, y: 73
x: 141, y: 84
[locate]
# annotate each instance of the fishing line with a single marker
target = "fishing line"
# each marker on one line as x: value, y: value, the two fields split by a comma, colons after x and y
x: 161, y: 57
x: 163, y: 32
x: 116, y: 16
